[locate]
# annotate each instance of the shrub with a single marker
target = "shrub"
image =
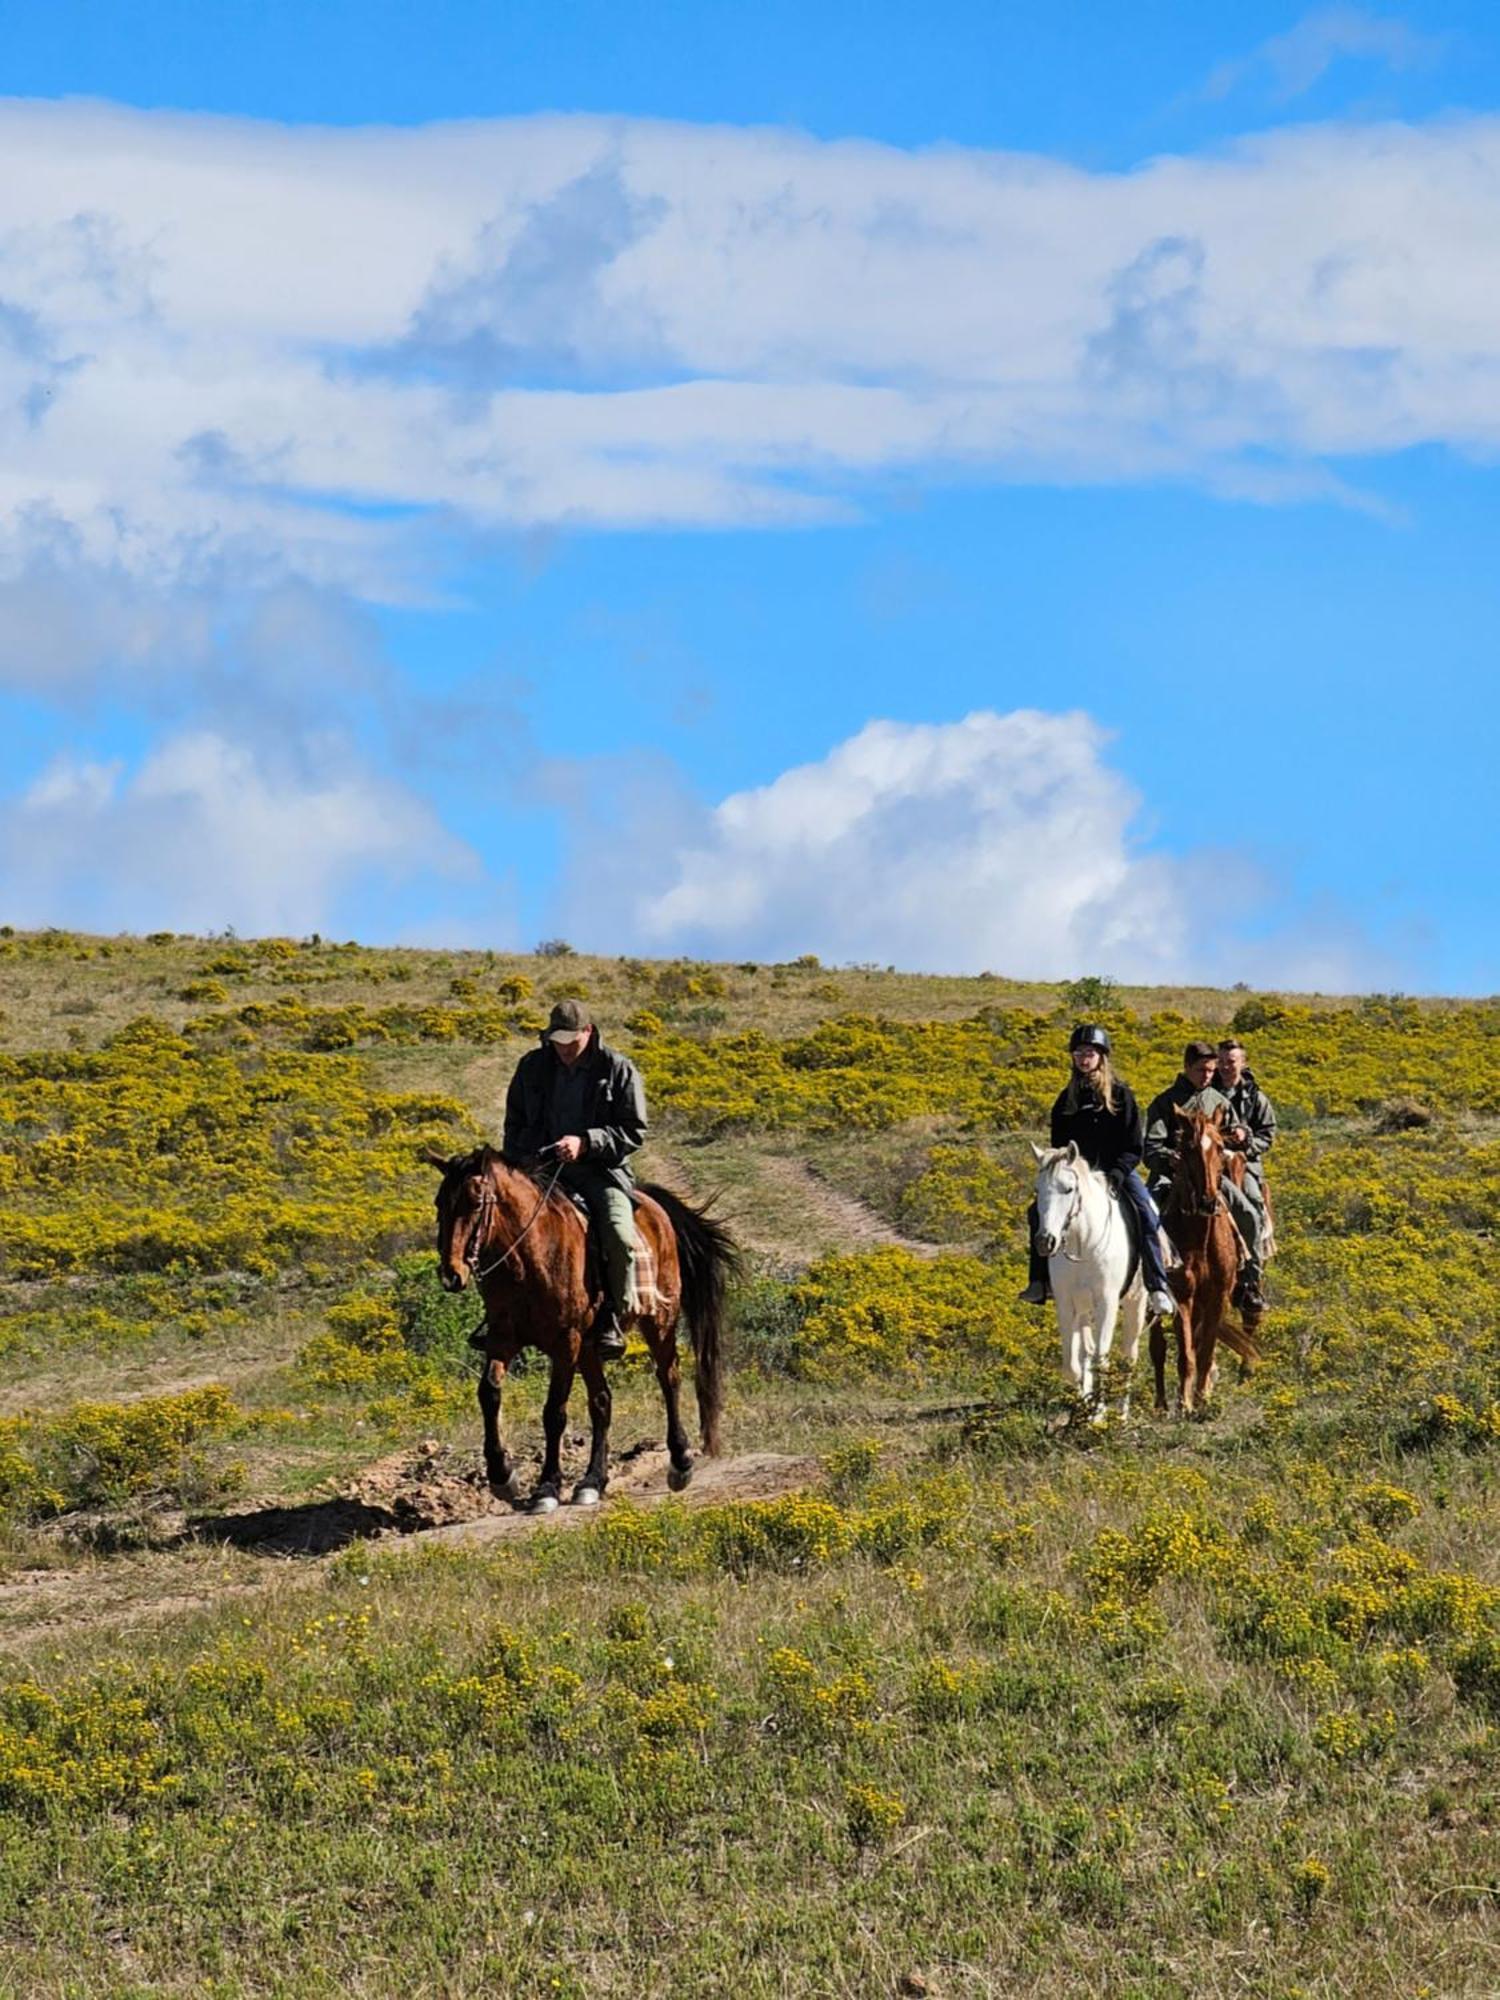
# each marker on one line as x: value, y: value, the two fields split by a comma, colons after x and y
x: 102, y: 1452
x: 1094, y: 993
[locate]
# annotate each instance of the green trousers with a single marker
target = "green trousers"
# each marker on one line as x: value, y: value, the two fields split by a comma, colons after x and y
x: 1247, y: 1206
x: 612, y: 1216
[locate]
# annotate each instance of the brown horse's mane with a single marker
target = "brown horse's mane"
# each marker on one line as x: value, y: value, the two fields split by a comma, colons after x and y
x: 485, y: 1157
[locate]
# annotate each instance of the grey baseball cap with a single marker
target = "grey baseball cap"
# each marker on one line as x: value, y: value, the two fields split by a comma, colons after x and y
x: 569, y: 1019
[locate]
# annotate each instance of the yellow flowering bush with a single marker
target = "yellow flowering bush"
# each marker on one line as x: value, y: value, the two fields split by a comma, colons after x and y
x: 891, y: 1310
x: 155, y: 1152
x: 108, y: 1451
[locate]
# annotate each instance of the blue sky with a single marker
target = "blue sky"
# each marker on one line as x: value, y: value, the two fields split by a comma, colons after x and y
x: 1008, y: 488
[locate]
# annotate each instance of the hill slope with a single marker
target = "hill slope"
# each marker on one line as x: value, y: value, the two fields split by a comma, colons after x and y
x: 990, y: 1701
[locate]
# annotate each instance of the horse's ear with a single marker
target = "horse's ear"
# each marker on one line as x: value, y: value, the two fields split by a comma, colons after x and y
x: 438, y: 1160
x: 1072, y: 1152
x: 1217, y: 1119
x: 1040, y: 1154
x: 1185, y: 1117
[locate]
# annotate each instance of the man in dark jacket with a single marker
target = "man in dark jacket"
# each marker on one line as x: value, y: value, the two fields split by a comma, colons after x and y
x: 1196, y: 1090
x: 1254, y: 1132
x: 582, y: 1107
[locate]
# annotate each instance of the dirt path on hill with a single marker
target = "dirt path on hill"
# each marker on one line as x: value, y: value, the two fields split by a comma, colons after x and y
x: 789, y: 1212
x: 430, y: 1495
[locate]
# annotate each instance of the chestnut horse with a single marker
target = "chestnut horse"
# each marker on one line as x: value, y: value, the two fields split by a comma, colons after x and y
x: 526, y: 1247
x: 1199, y: 1224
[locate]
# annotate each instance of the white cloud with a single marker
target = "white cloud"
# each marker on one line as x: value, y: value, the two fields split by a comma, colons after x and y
x: 1293, y: 62
x: 204, y: 833
x: 272, y: 349
x: 1001, y: 841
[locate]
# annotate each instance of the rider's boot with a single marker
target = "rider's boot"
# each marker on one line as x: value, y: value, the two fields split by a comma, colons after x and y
x: 1036, y: 1292
x: 1248, y: 1295
x: 608, y: 1335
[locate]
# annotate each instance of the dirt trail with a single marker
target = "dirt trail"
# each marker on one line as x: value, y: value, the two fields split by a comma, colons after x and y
x: 791, y: 1211
x: 854, y: 1219
x: 429, y: 1494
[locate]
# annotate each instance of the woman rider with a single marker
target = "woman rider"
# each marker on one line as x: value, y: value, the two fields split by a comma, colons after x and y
x: 1098, y: 1112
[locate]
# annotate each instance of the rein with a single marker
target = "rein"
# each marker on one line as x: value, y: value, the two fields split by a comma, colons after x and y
x: 485, y: 1217
x: 1200, y: 1207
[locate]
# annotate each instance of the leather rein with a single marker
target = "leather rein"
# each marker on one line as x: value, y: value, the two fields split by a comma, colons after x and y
x: 484, y: 1220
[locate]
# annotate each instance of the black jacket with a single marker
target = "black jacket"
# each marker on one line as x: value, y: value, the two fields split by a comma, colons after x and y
x: 616, y: 1115
x: 1110, y: 1140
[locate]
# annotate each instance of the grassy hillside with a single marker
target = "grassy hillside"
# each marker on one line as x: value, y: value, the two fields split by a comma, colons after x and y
x: 975, y: 1700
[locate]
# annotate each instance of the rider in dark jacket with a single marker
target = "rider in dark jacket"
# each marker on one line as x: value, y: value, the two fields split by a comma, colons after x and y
x: 582, y: 1106
x: 1098, y: 1113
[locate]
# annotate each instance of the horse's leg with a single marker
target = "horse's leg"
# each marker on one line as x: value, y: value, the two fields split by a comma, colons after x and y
x: 499, y: 1469
x: 1187, y: 1374
x: 1105, y: 1312
x: 1132, y: 1320
x: 664, y: 1345
x: 1159, y: 1363
x: 1208, y: 1367
x: 1069, y: 1329
x: 590, y: 1489
x: 554, y: 1420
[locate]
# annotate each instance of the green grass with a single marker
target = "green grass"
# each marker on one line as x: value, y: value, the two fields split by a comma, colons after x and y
x: 1002, y: 1703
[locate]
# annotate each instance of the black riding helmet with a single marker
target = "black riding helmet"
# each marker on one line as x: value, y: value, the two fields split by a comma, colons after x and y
x: 1087, y: 1036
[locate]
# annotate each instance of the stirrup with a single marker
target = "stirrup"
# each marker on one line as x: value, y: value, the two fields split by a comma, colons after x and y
x: 608, y: 1336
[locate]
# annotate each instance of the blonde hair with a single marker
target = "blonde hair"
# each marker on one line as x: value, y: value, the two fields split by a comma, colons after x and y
x: 1100, y: 1085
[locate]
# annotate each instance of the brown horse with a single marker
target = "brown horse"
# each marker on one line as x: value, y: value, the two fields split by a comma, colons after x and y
x: 525, y: 1244
x: 1199, y: 1224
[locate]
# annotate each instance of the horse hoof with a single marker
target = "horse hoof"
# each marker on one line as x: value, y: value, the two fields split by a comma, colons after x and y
x: 678, y: 1477
x: 543, y: 1503
x: 586, y: 1496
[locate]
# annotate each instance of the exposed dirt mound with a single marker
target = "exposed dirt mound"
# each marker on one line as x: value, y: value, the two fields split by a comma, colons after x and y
x: 429, y: 1485
x: 433, y: 1488
x: 430, y: 1493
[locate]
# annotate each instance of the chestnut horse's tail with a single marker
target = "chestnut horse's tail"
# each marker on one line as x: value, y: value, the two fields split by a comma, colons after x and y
x: 706, y: 1255
x: 1237, y: 1342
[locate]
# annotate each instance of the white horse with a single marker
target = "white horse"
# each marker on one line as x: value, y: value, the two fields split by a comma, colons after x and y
x: 1083, y: 1236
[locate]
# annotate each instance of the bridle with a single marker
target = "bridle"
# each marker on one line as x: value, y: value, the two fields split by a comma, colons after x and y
x: 1200, y: 1205
x: 1075, y: 1211
x: 484, y: 1216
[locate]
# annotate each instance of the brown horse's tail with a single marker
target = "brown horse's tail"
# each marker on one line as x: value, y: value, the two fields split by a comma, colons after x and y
x: 706, y: 1255
x: 1238, y: 1342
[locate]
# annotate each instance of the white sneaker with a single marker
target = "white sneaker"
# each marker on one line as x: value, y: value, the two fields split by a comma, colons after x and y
x: 1161, y: 1302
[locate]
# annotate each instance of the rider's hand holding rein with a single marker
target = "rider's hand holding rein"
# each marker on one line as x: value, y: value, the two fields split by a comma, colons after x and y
x: 569, y: 1149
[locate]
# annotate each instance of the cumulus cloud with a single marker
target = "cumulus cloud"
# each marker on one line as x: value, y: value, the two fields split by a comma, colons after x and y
x: 1000, y: 841
x: 204, y: 833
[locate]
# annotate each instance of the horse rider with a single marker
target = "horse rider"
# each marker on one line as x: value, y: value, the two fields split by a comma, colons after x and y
x: 1196, y: 1090
x: 1254, y: 1130
x: 1098, y: 1112
x: 582, y: 1107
